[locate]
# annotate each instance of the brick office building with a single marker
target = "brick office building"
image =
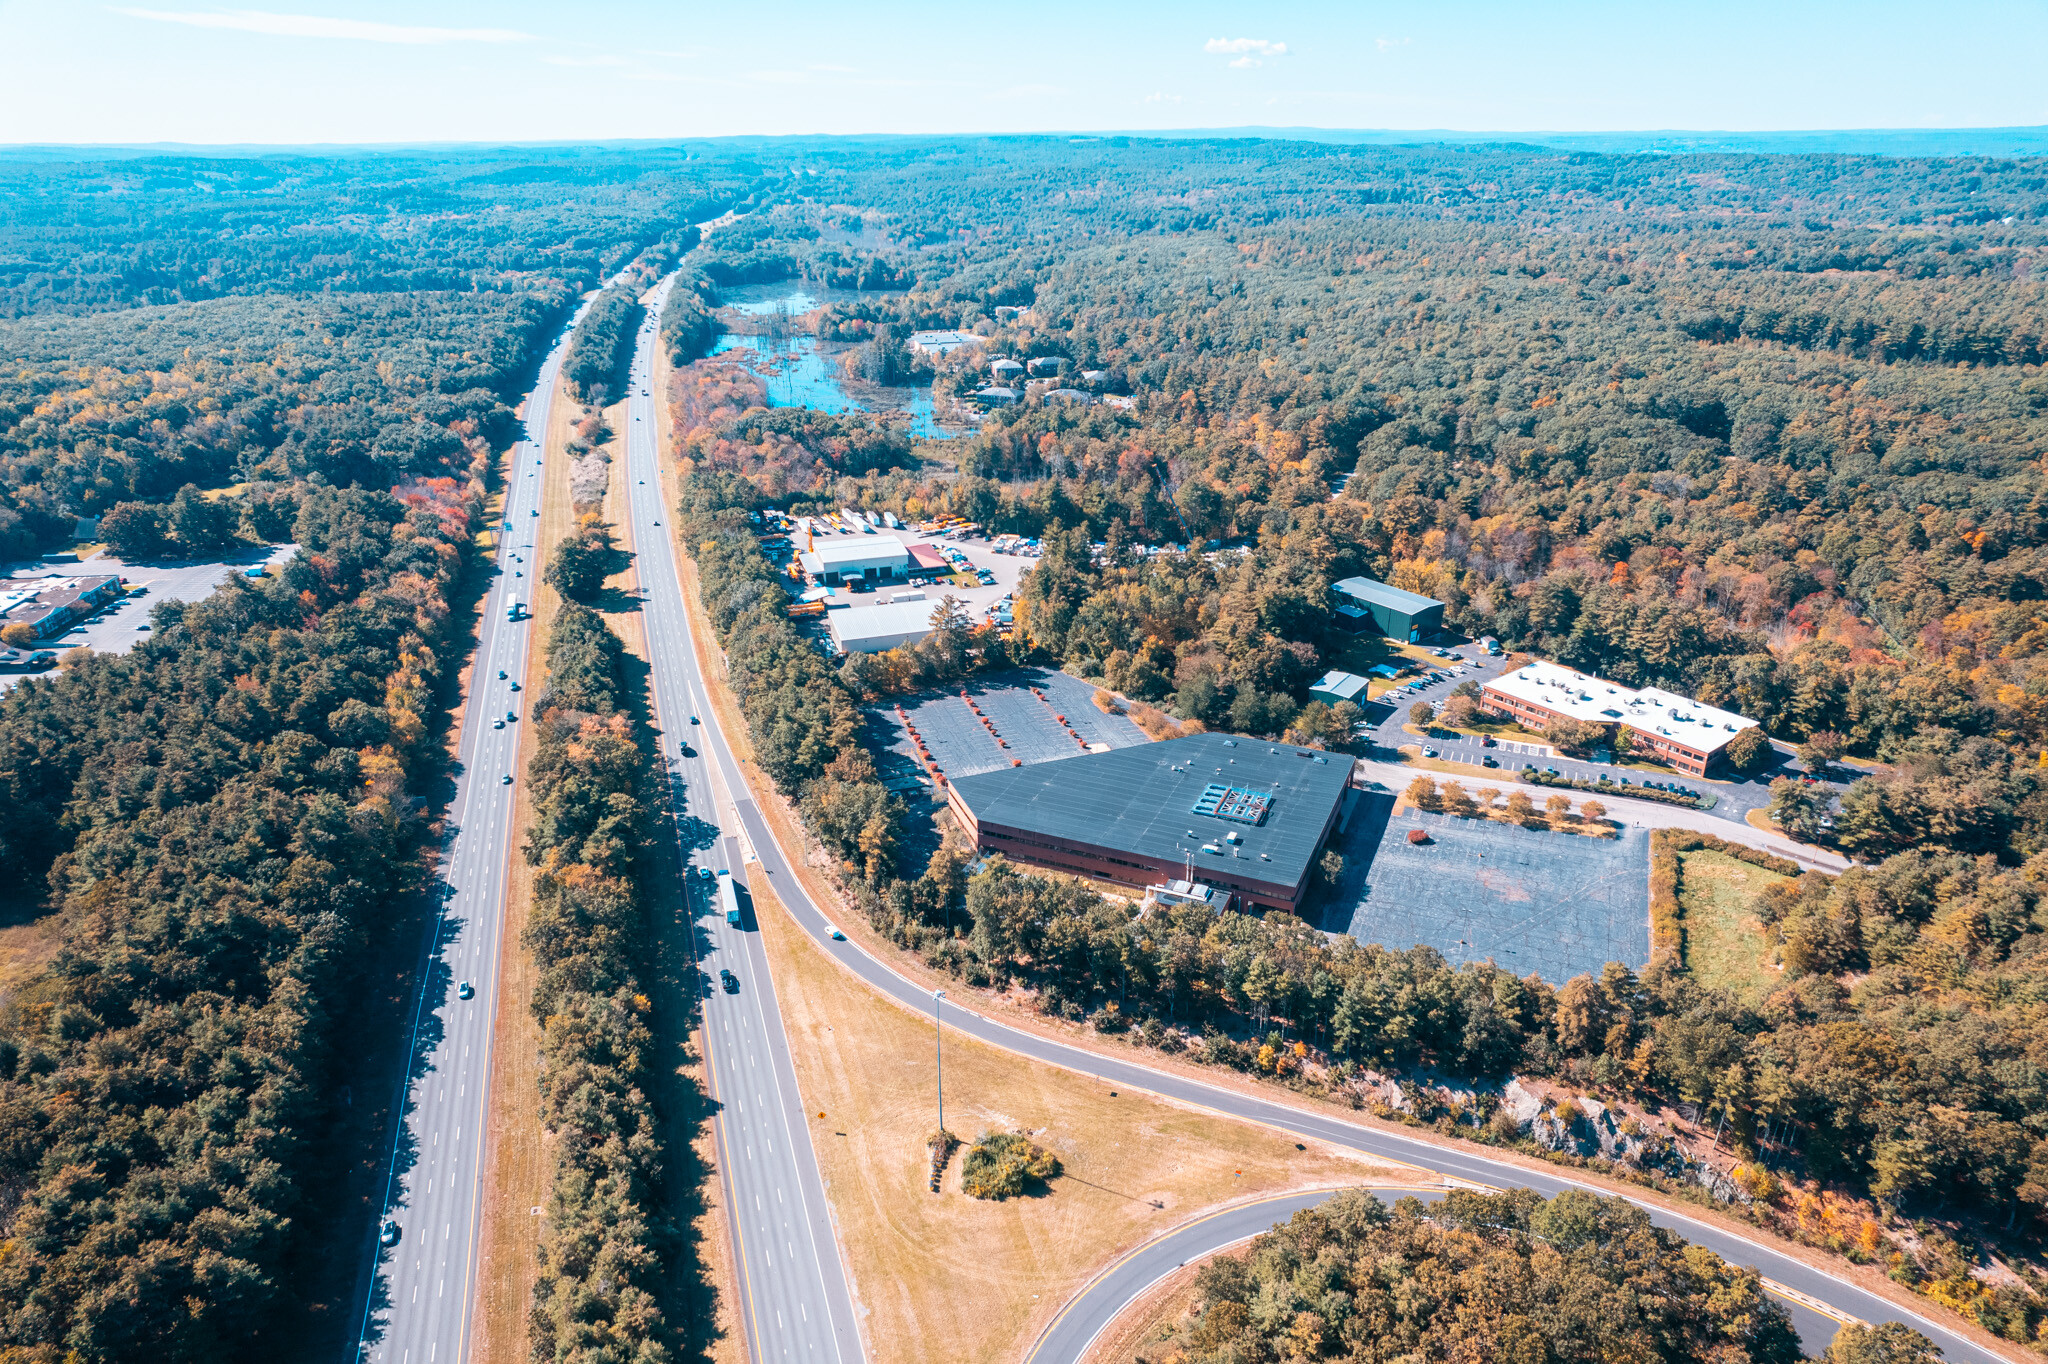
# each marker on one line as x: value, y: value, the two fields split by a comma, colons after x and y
x: 1662, y: 725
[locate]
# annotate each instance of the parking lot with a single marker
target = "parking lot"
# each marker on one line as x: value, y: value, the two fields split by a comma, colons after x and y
x: 1007, y: 569
x: 1553, y: 904
x: 116, y: 629
x: 961, y: 745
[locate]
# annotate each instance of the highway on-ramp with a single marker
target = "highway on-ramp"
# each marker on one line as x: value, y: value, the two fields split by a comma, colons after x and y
x: 417, y: 1309
x: 1842, y: 1297
x: 795, y: 1301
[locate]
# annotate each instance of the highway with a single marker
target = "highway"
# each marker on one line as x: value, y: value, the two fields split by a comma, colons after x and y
x: 418, y: 1305
x: 1843, y: 1297
x: 796, y: 1304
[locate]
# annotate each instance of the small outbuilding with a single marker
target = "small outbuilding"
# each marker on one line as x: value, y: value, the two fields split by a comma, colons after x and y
x: 1339, y: 686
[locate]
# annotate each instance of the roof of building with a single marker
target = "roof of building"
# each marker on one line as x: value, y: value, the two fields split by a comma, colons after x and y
x: 830, y: 554
x: 1347, y: 686
x: 1006, y: 365
x: 924, y: 556
x: 1071, y: 395
x: 943, y: 340
x: 1380, y: 594
x: 857, y: 623
x: 1651, y: 710
x: 995, y: 394
x: 1142, y: 800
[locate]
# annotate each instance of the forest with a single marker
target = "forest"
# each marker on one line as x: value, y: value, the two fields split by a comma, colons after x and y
x: 1508, y: 1276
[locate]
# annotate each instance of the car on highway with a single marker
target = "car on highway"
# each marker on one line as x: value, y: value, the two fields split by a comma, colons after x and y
x: 465, y: 991
x: 689, y: 752
x: 387, y: 1235
x: 501, y: 672
x: 693, y: 719
x: 510, y: 716
x: 505, y: 780
x: 730, y: 981
x: 834, y: 934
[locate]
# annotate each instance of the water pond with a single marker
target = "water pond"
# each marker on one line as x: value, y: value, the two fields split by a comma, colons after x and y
x: 802, y: 372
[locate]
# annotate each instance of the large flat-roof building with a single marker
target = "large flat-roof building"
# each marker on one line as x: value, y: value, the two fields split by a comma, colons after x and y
x: 1364, y: 603
x: 873, y: 629
x: 1668, y: 727
x: 1250, y: 816
x: 873, y: 558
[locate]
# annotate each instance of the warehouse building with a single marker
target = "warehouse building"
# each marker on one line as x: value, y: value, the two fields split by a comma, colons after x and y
x: 1662, y: 725
x: 875, y: 629
x: 870, y: 558
x: 1336, y: 687
x: 1244, y: 816
x: 1362, y: 604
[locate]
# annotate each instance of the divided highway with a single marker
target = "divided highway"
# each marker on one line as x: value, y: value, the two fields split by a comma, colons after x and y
x: 418, y: 1306
x: 1840, y: 1296
x: 795, y: 1301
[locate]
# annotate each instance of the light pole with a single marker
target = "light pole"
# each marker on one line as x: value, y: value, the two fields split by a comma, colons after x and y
x: 939, y: 1043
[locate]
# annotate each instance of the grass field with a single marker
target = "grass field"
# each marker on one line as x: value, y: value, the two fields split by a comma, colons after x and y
x: 950, y: 1278
x: 1724, y: 940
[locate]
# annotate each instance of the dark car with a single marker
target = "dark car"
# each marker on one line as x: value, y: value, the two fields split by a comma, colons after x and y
x: 730, y: 981
x: 693, y: 719
x: 1486, y: 741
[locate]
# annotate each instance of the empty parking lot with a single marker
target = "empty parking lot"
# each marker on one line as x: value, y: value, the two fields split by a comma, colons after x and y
x: 1551, y: 904
x: 1025, y: 727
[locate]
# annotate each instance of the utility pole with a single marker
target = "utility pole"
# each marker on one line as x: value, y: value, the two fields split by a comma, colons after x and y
x: 939, y: 1043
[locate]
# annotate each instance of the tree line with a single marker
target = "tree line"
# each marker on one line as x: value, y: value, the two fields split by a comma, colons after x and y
x: 608, y: 1237
x: 225, y: 821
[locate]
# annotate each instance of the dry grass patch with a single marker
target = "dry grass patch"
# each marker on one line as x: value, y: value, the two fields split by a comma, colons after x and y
x: 947, y: 1277
x: 1725, y: 944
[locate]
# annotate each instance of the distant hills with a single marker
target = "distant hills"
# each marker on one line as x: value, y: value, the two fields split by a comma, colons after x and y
x: 2029, y: 141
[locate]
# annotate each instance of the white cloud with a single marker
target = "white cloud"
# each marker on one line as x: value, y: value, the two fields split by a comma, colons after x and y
x: 1248, y: 51
x: 1160, y: 97
x: 828, y: 66
x: 1385, y: 43
x: 585, y: 61
x: 314, y: 26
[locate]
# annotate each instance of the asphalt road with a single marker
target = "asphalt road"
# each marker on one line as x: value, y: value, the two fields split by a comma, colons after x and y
x: 1843, y: 1297
x: 418, y: 1307
x: 795, y: 1300
x: 1068, y: 1337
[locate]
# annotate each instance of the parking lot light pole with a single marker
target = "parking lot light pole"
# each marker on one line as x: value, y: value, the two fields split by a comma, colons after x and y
x: 939, y: 1043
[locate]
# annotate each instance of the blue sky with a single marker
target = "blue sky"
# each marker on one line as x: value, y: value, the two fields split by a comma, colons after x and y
x: 333, y: 71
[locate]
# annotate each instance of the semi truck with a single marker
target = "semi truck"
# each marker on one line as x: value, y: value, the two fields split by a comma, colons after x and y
x: 728, y: 898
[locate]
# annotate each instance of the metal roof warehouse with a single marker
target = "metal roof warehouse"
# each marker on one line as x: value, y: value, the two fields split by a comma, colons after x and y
x: 1251, y: 816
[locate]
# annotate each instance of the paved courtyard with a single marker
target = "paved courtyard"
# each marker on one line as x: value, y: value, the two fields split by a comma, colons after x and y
x: 1551, y: 904
x: 962, y: 746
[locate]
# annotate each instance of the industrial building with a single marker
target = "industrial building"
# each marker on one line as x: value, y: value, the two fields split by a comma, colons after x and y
x: 49, y: 606
x: 1339, y: 686
x: 871, y: 558
x: 875, y: 629
x: 1244, y: 816
x: 1662, y: 725
x: 1362, y: 604
x: 942, y: 343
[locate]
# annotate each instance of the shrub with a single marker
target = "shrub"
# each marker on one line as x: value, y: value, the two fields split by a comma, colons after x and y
x: 1003, y: 1164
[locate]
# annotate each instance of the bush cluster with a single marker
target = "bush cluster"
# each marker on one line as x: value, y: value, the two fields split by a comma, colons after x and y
x: 1003, y: 1164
